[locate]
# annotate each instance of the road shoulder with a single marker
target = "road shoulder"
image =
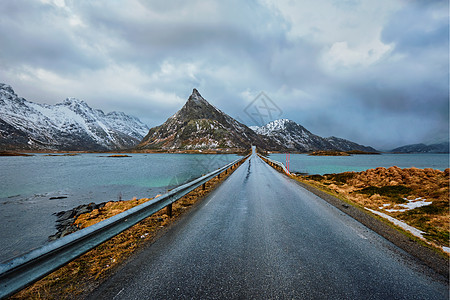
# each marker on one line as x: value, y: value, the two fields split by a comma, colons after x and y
x: 413, y: 246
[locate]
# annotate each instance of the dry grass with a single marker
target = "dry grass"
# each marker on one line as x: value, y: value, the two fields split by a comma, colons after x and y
x: 382, y: 189
x: 86, y: 272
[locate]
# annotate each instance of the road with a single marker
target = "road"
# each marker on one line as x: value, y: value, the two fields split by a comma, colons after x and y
x: 262, y: 236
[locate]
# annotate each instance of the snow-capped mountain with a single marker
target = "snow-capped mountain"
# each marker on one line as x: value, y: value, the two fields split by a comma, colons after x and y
x: 295, y: 137
x: 200, y: 125
x: 70, y: 125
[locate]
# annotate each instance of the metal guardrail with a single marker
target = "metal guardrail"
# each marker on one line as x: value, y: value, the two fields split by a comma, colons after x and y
x: 276, y: 163
x: 22, y: 271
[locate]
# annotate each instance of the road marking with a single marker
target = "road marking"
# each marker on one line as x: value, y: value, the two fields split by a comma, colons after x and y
x: 362, y: 236
x: 210, y: 200
x: 118, y: 293
x: 358, y: 233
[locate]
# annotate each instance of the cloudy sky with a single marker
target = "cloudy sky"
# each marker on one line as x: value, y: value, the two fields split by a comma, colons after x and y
x: 374, y: 72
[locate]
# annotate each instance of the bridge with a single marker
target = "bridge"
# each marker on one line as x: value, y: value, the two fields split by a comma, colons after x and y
x: 261, y: 235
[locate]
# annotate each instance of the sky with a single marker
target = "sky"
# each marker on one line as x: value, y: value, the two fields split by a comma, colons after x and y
x: 373, y: 72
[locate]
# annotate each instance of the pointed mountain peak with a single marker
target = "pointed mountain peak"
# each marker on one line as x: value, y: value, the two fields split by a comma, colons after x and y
x: 196, y: 107
x: 196, y: 97
x: 200, y: 125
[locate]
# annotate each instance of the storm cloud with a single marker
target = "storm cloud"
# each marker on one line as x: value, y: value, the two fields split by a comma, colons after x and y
x: 374, y: 72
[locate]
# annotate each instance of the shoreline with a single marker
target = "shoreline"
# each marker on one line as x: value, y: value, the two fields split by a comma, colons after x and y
x: 86, y: 272
x: 214, y: 151
x: 129, y: 151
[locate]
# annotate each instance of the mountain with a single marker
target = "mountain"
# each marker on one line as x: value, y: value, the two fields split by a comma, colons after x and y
x: 422, y: 148
x: 70, y: 125
x: 295, y: 137
x: 199, y: 125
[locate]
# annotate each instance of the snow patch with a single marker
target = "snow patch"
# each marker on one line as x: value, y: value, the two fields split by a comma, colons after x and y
x: 277, y: 125
x: 414, y: 203
x: 416, y: 232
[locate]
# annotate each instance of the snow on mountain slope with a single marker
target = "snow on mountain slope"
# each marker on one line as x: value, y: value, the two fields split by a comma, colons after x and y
x: 296, y: 137
x: 70, y: 125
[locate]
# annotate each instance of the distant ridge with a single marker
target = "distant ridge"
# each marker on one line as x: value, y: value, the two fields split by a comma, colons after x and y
x: 295, y: 137
x: 422, y: 148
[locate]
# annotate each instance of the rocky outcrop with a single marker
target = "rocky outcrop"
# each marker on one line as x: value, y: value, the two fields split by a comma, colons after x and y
x: 65, y: 219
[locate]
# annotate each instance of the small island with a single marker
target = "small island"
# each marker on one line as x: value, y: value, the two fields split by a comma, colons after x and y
x: 341, y: 153
x: 328, y: 153
x: 65, y: 154
x: 6, y: 153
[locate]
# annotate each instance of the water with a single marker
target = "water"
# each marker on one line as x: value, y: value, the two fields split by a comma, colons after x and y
x: 27, y: 184
x: 303, y: 163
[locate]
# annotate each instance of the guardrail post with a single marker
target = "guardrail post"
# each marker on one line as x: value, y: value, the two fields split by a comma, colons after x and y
x: 169, y: 210
x: 218, y: 176
x: 204, y: 186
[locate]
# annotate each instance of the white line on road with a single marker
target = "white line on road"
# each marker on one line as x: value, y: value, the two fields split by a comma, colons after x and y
x: 118, y: 293
x: 210, y: 200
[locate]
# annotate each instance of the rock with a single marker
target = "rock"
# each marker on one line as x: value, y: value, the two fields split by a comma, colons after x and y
x: 83, y: 210
x: 57, y: 197
x: 64, y: 215
x: 65, y: 219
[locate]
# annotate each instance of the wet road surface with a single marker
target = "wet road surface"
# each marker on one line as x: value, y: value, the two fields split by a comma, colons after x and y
x: 262, y: 236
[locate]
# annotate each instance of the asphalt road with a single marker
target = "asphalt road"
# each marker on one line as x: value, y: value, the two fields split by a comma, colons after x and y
x: 262, y: 236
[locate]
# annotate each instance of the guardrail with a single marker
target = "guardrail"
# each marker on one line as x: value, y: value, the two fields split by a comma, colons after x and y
x: 275, y: 164
x: 22, y: 271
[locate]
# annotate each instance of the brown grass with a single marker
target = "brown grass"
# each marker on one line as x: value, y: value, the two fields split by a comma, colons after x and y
x: 88, y: 271
x: 375, y: 188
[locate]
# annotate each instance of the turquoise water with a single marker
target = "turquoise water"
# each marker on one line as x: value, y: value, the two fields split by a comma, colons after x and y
x: 302, y: 163
x: 137, y: 176
x: 27, y: 183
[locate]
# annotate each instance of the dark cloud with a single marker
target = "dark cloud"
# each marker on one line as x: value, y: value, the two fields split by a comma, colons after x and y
x: 419, y: 27
x: 32, y: 34
x: 372, y: 72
